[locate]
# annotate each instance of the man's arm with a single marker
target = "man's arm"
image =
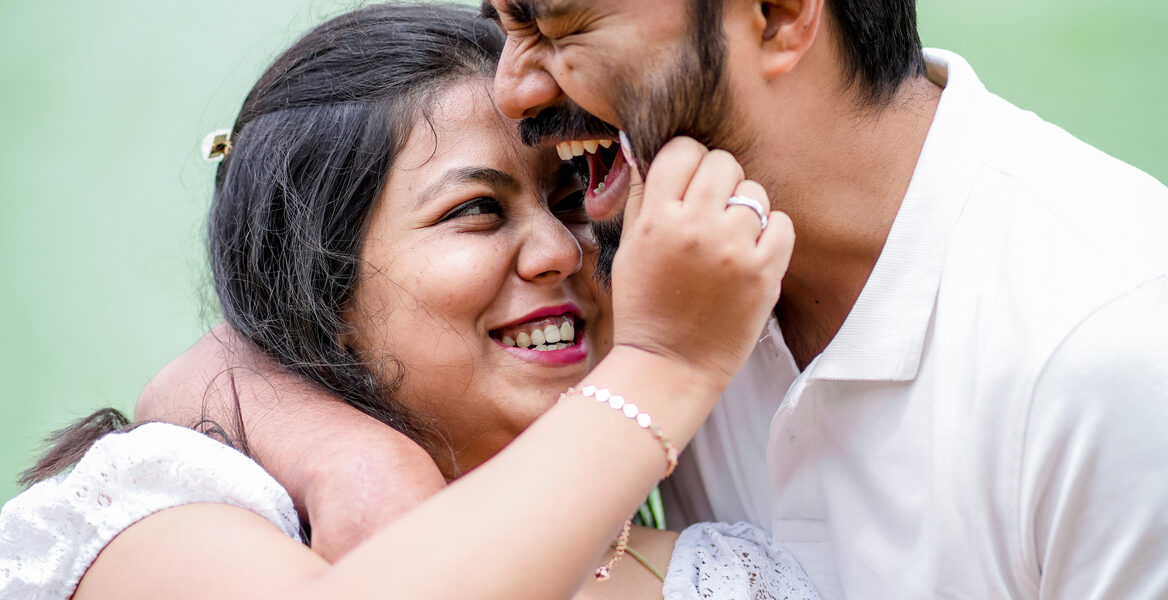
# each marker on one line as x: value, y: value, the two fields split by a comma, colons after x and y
x: 1094, y: 487
x: 347, y: 473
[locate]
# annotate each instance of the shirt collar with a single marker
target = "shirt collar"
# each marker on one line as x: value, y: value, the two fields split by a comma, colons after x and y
x: 883, y: 336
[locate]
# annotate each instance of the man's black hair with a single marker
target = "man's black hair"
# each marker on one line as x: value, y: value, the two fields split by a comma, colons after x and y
x: 878, y: 42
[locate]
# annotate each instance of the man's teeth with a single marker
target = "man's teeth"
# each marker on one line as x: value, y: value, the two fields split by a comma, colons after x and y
x: 549, y: 337
x: 567, y: 150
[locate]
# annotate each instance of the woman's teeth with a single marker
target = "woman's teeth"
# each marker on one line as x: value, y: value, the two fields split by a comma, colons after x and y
x: 548, y: 337
x: 567, y: 150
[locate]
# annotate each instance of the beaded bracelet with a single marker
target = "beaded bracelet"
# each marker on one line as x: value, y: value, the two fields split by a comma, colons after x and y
x: 630, y: 410
x: 644, y: 421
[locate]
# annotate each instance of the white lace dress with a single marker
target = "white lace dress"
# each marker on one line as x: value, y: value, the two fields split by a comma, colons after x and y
x: 52, y: 533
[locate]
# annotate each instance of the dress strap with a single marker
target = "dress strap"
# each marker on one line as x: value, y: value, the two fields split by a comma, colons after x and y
x: 645, y: 562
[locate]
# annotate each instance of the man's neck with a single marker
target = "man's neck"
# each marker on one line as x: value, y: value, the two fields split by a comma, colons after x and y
x: 842, y: 188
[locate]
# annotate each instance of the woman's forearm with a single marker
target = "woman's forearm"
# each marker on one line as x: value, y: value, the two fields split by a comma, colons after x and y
x: 533, y: 519
x: 532, y: 522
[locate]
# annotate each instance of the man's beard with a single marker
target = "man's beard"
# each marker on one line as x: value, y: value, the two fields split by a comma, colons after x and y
x: 607, y: 234
x: 688, y: 99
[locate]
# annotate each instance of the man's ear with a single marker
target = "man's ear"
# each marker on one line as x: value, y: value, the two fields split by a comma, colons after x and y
x: 786, y: 29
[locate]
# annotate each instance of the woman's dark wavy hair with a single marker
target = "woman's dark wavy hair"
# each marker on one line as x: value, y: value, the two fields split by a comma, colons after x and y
x: 311, y: 150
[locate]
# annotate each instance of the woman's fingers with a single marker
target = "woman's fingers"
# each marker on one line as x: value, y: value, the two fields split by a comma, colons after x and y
x: 672, y: 170
x: 664, y: 184
x: 690, y: 265
x: 715, y: 181
x: 745, y: 217
x: 777, y: 242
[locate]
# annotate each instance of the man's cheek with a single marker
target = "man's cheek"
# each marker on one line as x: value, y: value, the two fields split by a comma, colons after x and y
x: 592, y: 84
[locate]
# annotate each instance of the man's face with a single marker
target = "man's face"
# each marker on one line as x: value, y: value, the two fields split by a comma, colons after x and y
x: 576, y: 70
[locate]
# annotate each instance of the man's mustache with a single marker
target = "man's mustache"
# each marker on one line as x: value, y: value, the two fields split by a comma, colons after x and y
x: 561, y: 122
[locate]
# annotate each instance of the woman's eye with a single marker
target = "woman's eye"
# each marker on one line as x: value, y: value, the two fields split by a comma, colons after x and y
x: 474, y: 208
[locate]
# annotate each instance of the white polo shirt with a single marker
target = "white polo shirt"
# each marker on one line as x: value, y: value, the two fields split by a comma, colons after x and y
x: 992, y: 419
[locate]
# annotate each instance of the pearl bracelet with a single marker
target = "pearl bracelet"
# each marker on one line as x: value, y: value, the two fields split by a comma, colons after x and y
x: 644, y: 421
x: 630, y: 410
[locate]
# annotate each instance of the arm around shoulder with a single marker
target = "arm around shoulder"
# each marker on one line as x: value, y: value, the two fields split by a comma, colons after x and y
x: 1096, y: 455
x: 346, y: 472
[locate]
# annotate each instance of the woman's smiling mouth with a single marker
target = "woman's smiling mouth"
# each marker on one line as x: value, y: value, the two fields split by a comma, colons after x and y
x: 553, y: 335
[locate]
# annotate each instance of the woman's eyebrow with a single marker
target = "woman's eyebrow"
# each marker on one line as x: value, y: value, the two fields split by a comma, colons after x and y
x: 460, y: 175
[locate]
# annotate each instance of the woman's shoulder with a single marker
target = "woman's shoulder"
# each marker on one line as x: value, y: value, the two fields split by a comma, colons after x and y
x: 53, y: 531
x: 733, y: 560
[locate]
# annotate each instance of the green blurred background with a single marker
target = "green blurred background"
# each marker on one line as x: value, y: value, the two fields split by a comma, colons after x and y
x: 102, y: 191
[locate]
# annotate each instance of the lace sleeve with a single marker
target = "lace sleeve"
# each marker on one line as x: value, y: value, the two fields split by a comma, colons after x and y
x: 719, y: 561
x: 51, y: 533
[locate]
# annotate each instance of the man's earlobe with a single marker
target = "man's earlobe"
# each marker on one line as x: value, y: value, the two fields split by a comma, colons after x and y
x: 788, y: 29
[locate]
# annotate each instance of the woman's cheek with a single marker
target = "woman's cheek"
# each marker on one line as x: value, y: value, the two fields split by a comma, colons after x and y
x: 459, y: 280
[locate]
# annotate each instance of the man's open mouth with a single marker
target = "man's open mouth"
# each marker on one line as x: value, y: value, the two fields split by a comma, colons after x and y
x: 608, y: 174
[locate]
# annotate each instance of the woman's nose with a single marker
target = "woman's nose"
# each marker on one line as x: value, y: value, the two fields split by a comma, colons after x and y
x: 523, y: 87
x: 549, y: 251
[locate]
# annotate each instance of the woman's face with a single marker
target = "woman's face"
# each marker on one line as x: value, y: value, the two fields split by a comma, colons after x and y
x: 478, y: 245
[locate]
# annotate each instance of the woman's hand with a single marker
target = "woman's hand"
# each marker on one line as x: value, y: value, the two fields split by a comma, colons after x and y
x: 695, y: 279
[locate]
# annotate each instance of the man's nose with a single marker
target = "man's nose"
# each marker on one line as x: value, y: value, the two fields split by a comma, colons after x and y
x: 523, y: 87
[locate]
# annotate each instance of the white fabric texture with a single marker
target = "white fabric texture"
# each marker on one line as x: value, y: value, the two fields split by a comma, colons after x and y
x: 720, y: 561
x: 989, y: 421
x: 52, y: 533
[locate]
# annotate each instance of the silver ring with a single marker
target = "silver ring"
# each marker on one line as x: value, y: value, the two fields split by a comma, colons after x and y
x: 752, y: 204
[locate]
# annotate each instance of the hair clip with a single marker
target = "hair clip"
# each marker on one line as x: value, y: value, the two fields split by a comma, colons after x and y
x: 216, y: 145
